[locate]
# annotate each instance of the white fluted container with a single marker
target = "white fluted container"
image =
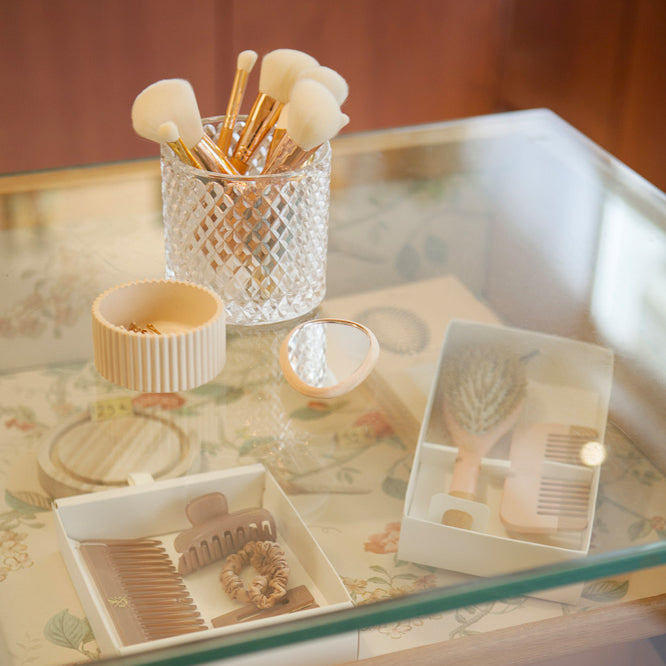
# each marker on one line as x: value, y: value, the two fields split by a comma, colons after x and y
x: 189, y: 350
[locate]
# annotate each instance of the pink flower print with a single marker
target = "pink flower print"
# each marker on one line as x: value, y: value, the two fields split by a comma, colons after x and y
x: 386, y: 542
x: 377, y: 424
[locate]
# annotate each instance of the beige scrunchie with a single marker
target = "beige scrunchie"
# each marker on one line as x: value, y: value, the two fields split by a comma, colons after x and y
x: 269, y: 560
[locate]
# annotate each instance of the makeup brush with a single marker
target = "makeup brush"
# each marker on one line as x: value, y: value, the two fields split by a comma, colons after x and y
x: 173, y: 100
x: 168, y: 133
x: 331, y: 79
x: 149, y: 126
x: 279, y: 71
x: 483, y: 388
x: 279, y: 130
x: 314, y: 117
x: 244, y: 64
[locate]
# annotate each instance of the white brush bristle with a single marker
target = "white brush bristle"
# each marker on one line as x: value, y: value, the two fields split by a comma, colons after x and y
x: 283, y: 118
x: 314, y: 114
x: 246, y: 60
x: 163, y: 101
x: 168, y: 132
x: 331, y: 79
x: 279, y: 71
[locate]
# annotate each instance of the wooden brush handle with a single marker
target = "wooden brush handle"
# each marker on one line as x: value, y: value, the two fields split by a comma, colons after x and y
x: 465, y: 474
x: 463, y: 485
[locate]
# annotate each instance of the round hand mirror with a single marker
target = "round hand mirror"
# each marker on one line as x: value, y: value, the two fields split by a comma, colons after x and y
x: 326, y: 358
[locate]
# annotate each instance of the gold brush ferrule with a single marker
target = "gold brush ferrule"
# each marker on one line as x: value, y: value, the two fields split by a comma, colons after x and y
x: 278, y: 134
x: 233, y: 107
x: 211, y: 158
x: 184, y: 153
x: 263, y: 115
x: 287, y: 156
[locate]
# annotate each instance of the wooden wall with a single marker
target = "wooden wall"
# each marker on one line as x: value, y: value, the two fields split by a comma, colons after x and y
x: 70, y: 69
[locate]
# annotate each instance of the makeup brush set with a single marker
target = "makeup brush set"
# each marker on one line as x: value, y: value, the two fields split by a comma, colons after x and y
x: 508, y: 462
x: 295, y: 111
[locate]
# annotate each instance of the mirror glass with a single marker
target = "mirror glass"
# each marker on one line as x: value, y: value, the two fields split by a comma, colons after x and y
x: 328, y: 357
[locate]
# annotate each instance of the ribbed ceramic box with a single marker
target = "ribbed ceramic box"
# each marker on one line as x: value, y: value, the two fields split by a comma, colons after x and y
x: 159, y: 335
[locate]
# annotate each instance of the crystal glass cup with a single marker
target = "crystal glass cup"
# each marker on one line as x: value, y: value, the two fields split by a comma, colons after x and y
x: 259, y: 241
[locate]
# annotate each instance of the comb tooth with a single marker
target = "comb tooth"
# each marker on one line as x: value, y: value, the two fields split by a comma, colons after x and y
x: 156, y: 633
x: 146, y: 567
x: 267, y: 529
x: 141, y: 556
x: 185, y: 564
x: 217, y: 548
x: 152, y: 594
x: 129, y: 544
x: 143, y: 606
x: 205, y: 553
x: 194, y: 558
x: 229, y: 541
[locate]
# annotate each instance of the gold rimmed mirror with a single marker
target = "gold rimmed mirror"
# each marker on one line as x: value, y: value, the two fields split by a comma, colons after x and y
x: 326, y: 358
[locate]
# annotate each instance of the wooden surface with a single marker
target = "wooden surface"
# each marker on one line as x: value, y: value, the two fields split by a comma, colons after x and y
x: 71, y: 69
x: 532, y: 643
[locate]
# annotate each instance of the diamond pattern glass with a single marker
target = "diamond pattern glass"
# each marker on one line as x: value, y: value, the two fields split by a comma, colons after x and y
x: 259, y: 241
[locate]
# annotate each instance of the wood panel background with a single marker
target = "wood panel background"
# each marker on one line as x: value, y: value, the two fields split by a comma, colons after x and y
x: 70, y: 69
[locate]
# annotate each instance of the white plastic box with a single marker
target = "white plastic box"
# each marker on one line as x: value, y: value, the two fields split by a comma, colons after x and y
x: 568, y: 382
x: 157, y: 509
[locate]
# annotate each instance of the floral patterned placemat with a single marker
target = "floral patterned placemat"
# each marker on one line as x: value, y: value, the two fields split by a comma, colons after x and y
x: 344, y: 462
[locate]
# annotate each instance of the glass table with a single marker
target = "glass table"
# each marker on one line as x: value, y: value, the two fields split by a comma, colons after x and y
x: 511, y: 219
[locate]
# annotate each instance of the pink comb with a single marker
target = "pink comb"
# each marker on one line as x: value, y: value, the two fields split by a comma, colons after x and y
x: 549, y: 488
x: 143, y: 593
x: 216, y: 533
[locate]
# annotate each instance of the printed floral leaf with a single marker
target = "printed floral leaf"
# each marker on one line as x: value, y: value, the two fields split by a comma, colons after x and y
x: 379, y: 568
x: 28, y: 501
x: 17, y: 501
x: 377, y: 580
x: 406, y: 576
x: 88, y: 636
x: 67, y: 630
x: 639, y: 529
x: 254, y: 443
x: 435, y: 250
x: 219, y: 393
x: 309, y: 414
x: 407, y: 261
x: 605, y: 590
x: 394, y: 487
x: 394, y: 440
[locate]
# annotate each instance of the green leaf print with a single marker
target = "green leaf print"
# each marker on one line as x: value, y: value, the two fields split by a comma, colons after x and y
x: 254, y: 444
x: 605, y: 590
x: 640, y: 528
x: 435, y: 250
x: 67, y: 630
x: 309, y: 414
x: 407, y: 261
x: 394, y: 487
x: 27, y: 503
x: 219, y: 393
